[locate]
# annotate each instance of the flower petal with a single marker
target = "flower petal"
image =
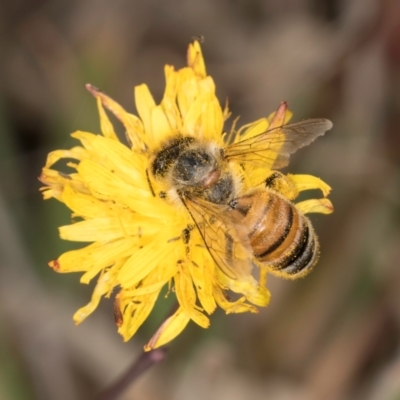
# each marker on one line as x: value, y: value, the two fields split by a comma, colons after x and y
x: 84, y: 205
x: 116, y: 157
x: 106, y: 126
x: 168, y: 102
x: 253, y: 129
x: 144, y: 104
x: 195, y: 59
x: 280, y: 117
x: 132, y: 124
x: 186, y: 296
x: 202, y: 275
x: 107, y: 228
x: 135, y: 313
x: 171, y: 328
x: 104, y: 285
x: 77, y: 153
x: 249, y: 287
x: 107, y: 185
x: 322, y: 206
x: 204, y: 119
x: 187, y: 90
x: 212, y: 120
x: 160, y: 125
x: 232, y: 307
x: 95, y: 256
x: 309, y: 182
x: 144, y: 261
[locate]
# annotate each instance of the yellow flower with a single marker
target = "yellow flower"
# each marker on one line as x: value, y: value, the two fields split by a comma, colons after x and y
x: 138, y: 237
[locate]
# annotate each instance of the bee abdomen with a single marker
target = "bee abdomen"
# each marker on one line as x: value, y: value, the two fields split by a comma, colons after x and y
x: 302, y: 255
x: 283, y: 238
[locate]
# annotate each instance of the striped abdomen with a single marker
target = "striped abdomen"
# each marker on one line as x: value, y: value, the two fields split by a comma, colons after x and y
x: 280, y: 236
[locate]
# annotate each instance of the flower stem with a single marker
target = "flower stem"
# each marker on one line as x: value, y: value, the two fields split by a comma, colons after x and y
x: 140, y: 365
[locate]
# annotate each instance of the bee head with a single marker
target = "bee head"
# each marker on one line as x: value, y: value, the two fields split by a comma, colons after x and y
x: 194, y: 166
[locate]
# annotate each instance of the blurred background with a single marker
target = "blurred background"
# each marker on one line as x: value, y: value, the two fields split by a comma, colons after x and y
x: 335, y: 334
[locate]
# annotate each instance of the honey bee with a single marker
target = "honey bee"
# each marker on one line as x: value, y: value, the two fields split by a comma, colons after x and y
x: 242, y: 227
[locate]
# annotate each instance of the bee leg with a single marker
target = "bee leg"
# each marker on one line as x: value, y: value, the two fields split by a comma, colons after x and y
x: 282, y: 184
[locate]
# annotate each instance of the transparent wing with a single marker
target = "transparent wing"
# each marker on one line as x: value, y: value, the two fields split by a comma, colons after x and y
x: 227, y: 244
x: 272, y: 148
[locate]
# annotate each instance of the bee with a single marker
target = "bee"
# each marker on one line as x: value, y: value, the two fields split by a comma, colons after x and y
x: 242, y: 227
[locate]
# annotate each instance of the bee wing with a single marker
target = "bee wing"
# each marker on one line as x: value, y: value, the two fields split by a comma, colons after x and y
x: 227, y: 243
x: 273, y: 147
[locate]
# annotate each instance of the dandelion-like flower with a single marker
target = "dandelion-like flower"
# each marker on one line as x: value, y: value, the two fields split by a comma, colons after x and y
x: 147, y: 235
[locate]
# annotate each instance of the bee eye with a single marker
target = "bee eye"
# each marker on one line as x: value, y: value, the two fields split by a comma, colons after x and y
x: 192, y: 166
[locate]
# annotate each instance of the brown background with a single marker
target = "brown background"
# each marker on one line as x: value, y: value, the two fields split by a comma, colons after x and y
x: 333, y: 335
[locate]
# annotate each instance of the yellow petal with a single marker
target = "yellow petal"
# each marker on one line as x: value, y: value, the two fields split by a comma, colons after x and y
x: 187, y: 297
x: 145, y: 104
x: 106, y: 126
x: 57, y: 180
x: 49, y: 193
x: 281, y: 183
x: 309, y: 182
x: 171, y: 83
x: 204, y: 119
x: 202, y: 279
x: 207, y: 86
x: 107, y: 255
x: 109, y: 228
x: 95, y: 255
x: 195, y: 59
x: 93, y: 230
x: 249, y: 287
x: 51, y: 177
x: 277, y: 119
x: 212, y: 120
x: 76, y: 152
x: 116, y: 157
x: 253, y: 129
x: 132, y: 124
x: 135, y: 314
x: 322, y: 206
x: 171, y: 328
x: 160, y: 126
x: 232, y: 307
x: 144, y: 261
x: 84, y: 205
x: 168, y: 103
x: 104, y: 284
x: 134, y: 132
x: 192, y: 119
x: 153, y: 282
x: 145, y: 290
x: 187, y: 90
x: 280, y: 117
x: 136, y: 304
x: 107, y: 185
